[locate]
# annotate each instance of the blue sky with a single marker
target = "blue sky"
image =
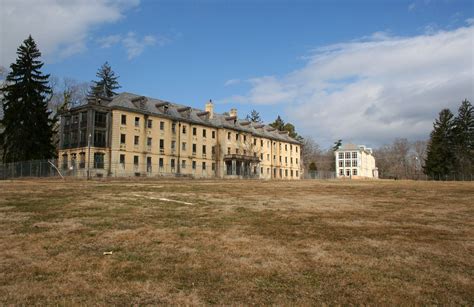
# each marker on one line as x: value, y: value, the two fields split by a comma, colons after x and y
x: 264, y: 55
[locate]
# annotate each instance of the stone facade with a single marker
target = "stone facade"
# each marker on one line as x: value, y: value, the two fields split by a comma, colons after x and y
x: 132, y: 135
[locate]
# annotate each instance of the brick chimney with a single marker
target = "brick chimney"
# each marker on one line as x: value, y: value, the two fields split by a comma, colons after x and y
x: 210, y: 108
x: 233, y: 112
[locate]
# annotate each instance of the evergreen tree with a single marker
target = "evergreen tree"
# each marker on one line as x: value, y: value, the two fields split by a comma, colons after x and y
x: 440, y: 158
x: 279, y: 124
x: 254, y: 117
x: 107, y: 82
x: 28, y: 127
x: 464, y: 139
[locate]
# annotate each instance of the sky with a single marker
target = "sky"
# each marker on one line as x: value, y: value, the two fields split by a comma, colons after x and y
x: 366, y: 72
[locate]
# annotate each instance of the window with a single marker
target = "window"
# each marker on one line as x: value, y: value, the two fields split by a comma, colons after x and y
x: 286, y: 173
x: 237, y: 151
x: 135, y: 160
x: 137, y: 140
x: 162, y: 145
x: 296, y: 148
x: 348, y: 155
x: 194, y: 164
x: 297, y: 174
x: 213, y: 134
x: 162, y: 126
x: 203, y: 150
x: 122, y: 160
x: 194, y: 130
x: 296, y: 160
x: 64, y: 161
x: 184, y: 129
x: 286, y: 160
x: 348, y: 172
x: 354, y: 155
x: 213, y: 166
x: 173, y: 145
x: 124, y: 119
x: 348, y: 163
x: 204, y: 133
x: 213, y: 150
x: 236, y: 136
x: 255, y: 142
x: 84, y: 119
x: 354, y: 172
x: 183, y: 146
x: 341, y: 155
x: 148, y: 164
x: 148, y: 142
x: 341, y: 172
x: 98, y: 160
x: 261, y: 170
x: 228, y: 135
x: 137, y: 121
x: 203, y: 166
x: 173, y: 127
x: 261, y: 143
x: 99, y: 138
x: 286, y: 147
x: 281, y: 173
x: 122, y: 138
x: 354, y: 163
x: 183, y: 164
x: 100, y: 119
x: 291, y: 147
x: 291, y: 173
x: 341, y: 163
x: 280, y: 159
x: 161, y: 163
x: 291, y: 160
x: 172, y: 163
x: 194, y: 149
x: 228, y: 150
x: 261, y: 156
x: 245, y: 138
x: 82, y: 160
x: 149, y: 123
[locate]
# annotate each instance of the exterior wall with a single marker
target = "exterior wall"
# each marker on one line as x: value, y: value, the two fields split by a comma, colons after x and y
x: 125, y: 157
x: 361, y: 166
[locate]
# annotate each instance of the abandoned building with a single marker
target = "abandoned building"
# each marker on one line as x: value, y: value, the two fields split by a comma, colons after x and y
x: 132, y: 135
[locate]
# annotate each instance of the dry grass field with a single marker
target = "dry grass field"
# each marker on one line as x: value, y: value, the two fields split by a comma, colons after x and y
x: 236, y: 242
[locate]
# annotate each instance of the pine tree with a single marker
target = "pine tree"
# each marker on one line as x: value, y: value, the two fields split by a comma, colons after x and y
x: 107, y: 82
x: 279, y: 124
x: 254, y: 117
x: 464, y: 139
x: 28, y: 126
x: 440, y: 158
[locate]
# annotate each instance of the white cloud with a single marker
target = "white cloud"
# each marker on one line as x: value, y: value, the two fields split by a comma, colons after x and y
x: 412, y: 6
x: 232, y: 82
x: 133, y: 45
x: 373, y: 91
x: 109, y: 41
x: 60, y: 28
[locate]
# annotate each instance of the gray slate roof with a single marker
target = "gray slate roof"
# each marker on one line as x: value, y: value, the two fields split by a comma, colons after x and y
x: 124, y: 101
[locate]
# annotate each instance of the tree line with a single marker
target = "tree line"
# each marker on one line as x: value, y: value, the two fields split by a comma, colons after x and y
x: 31, y: 101
x: 450, y: 149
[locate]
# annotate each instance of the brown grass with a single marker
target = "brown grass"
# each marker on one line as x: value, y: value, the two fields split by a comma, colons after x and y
x: 236, y: 242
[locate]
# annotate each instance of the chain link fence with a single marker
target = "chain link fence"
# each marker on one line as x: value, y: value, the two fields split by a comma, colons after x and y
x: 51, y: 168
